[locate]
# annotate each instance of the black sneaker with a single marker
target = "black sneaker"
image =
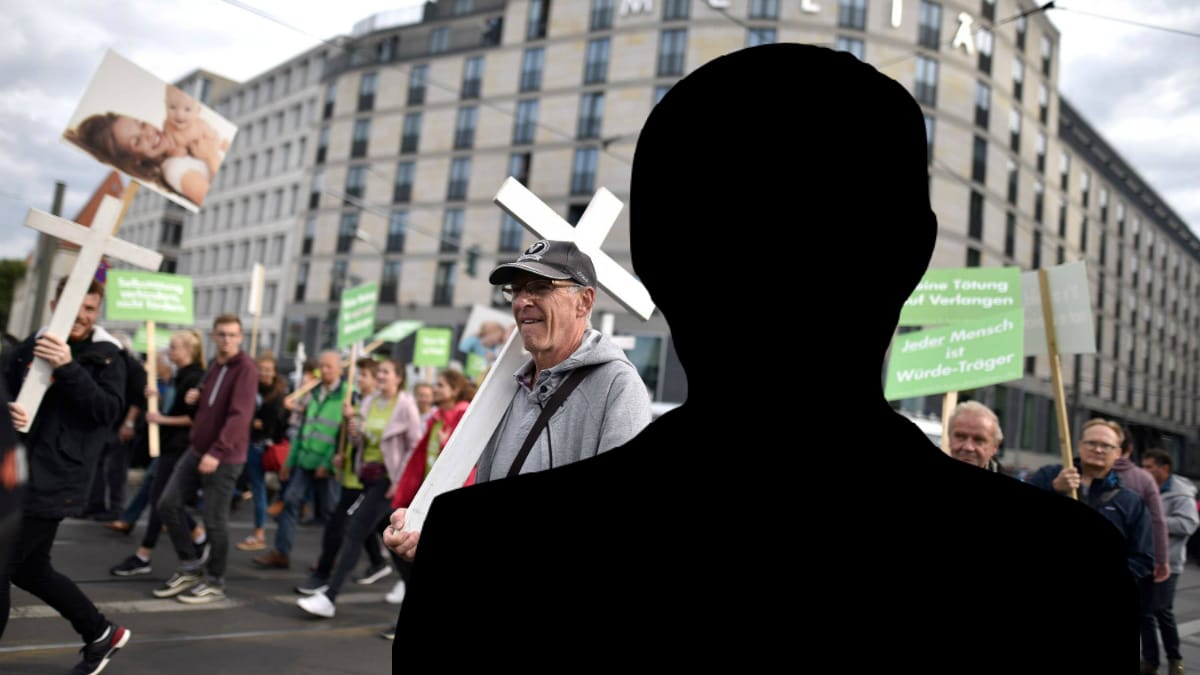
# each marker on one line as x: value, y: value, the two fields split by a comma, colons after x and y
x: 178, y: 583
x: 314, y: 585
x: 374, y: 574
x: 131, y: 566
x: 97, y: 654
x: 203, y: 593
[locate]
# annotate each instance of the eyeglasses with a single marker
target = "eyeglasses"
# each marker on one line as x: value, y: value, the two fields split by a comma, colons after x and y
x: 538, y: 288
x: 1098, y: 445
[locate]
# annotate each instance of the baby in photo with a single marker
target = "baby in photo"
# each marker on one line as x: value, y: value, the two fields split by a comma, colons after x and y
x: 184, y: 126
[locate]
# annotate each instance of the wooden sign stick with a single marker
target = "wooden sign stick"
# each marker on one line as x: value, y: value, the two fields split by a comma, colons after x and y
x: 1060, y: 399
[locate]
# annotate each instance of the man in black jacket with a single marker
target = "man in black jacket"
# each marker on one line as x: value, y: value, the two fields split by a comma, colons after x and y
x: 69, y: 430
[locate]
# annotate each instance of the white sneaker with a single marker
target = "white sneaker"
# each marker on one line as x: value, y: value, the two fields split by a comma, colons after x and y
x: 396, y: 595
x: 317, y: 604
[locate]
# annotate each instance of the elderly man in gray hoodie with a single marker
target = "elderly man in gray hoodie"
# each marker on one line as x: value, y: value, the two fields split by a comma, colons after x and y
x: 1179, y: 503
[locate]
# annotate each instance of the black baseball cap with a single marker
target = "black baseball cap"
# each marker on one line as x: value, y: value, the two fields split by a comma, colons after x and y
x: 550, y: 259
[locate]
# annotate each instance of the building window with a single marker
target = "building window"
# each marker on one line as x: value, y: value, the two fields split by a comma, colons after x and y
x: 460, y: 176
x: 356, y: 183
x: 1010, y: 234
x: 764, y: 9
x: 402, y: 189
x: 390, y: 282
x: 443, y: 285
x: 411, y: 133
x: 930, y: 129
x: 989, y: 10
x: 397, y: 230
x: 1036, y: 257
x: 472, y: 82
x: 1062, y: 218
x: 464, y: 127
x: 525, y: 123
x: 760, y: 36
x: 314, y: 195
x: 337, y: 279
x: 591, y: 114
x: 1022, y: 25
x: 310, y: 232
x: 301, y: 283
x: 539, y: 17
x: 1047, y: 54
x: 660, y: 91
x: 347, y: 228
x: 1104, y: 205
x: 1064, y: 169
x: 676, y: 10
x: 583, y: 171
x: 975, y: 217
x: 852, y: 14
x: 1085, y: 184
x: 985, y: 43
x: 927, y: 80
x: 385, y: 50
x: 983, y: 104
x: 595, y: 68
x: 531, y: 69
x: 1014, y: 127
x: 1043, y: 103
x: 366, y: 91
x: 452, y: 228
x: 672, y: 50
x: 929, y: 27
x: 510, y: 234
x: 362, y: 134
x: 493, y: 30
x: 1083, y: 237
x: 852, y: 45
x: 439, y: 40
x: 1039, y: 198
x: 602, y: 15
x: 1018, y: 69
x: 519, y: 164
x: 1041, y: 152
x: 979, y: 161
x: 1012, y: 182
x: 417, y: 77
x: 972, y: 256
x: 462, y: 7
x: 575, y: 212
x: 330, y: 97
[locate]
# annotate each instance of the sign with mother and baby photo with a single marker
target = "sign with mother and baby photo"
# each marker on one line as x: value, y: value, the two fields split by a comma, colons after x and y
x: 150, y: 130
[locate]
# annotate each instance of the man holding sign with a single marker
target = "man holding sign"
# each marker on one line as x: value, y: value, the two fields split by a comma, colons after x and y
x: 75, y: 420
x: 552, y: 290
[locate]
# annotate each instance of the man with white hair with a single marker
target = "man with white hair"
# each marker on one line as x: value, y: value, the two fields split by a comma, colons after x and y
x: 975, y: 435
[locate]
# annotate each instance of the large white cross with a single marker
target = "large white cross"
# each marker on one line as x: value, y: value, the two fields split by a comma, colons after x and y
x: 456, y: 460
x: 94, y: 243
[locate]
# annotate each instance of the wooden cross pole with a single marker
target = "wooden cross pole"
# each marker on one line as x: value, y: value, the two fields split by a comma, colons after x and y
x: 1060, y: 400
x: 456, y: 460
x: 94, y: 242
x: 304, y: 389
x: 255, y: 305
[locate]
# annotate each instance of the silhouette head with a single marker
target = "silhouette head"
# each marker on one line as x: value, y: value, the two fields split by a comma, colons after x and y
x: 797, y: 177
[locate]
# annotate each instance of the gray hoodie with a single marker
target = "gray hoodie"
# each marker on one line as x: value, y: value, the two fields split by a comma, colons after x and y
x: 609, y: 407
x: 1179, y: 502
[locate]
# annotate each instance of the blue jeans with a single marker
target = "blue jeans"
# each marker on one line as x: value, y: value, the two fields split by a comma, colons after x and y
x: 218, y: 491
x: 258, y: 482
x: 142, y: 498
x: 1158, y: 617
x: 324, y: 497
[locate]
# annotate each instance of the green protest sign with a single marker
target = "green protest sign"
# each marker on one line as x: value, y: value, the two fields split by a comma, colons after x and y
x: 356, y: 314
x: 953, y: 295
x: 132, y: 295
x: 139, y: 340
x: 397, y: 331
x: 432, y: 347
x: 475, y: 365
x: 966, y: 355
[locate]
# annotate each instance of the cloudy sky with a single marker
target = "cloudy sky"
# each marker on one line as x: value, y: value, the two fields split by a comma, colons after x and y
x: 1139, y: 87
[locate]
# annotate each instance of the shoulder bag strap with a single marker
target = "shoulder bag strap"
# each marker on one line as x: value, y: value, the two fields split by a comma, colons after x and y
x: 556, y: 400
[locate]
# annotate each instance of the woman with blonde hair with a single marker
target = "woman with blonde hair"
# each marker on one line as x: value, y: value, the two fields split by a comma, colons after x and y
x: 186, y: 351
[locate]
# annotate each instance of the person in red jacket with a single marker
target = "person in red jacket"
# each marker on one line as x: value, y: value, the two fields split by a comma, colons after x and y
x: 216, y: 454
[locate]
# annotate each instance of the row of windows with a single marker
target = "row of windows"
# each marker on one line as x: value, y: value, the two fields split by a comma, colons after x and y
x: 389, y: 286
x: 256, y: 132
x: 262, y: 207
x: 233, y: 256
x: 272, y: 88
x: 213, y: 301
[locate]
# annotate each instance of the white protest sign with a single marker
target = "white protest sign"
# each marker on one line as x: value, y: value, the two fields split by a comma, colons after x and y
x: 94, y: 242
x: 1071, y: 301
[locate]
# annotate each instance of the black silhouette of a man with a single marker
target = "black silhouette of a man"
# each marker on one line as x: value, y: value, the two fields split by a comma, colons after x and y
x: 784, y: 515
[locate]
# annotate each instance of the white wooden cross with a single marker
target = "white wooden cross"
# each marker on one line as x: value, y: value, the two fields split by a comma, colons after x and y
x: 94, y: 243
x: 456, y: 460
